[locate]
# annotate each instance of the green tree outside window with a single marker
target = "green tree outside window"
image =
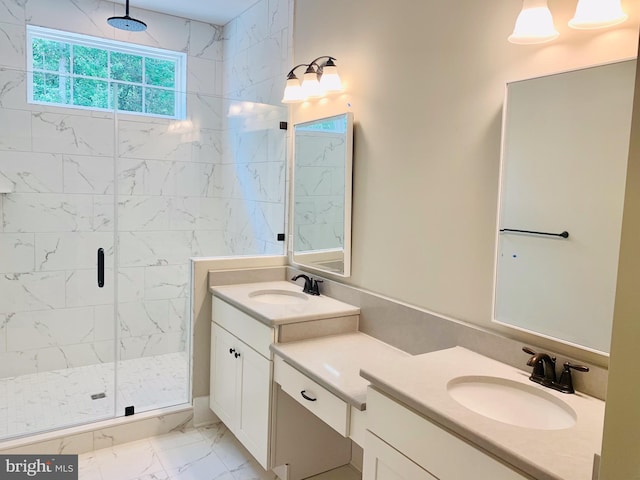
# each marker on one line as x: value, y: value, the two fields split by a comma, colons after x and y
x: 64, y: 73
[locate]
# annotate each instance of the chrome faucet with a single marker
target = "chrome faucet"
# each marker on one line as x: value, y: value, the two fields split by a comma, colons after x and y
x: 544, y: 371
x: 310, y: 285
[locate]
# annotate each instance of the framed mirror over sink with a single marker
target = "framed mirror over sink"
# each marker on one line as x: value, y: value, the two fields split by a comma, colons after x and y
x: 564, y: 164
x: 322, y: 182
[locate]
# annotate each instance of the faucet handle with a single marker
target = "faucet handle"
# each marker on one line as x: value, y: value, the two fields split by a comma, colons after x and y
x: 537, y: 356
x: 538, y: 367
x: 316, y: 287
x: 579, y: 368
x: 565, y: 384
x: 544, y: 366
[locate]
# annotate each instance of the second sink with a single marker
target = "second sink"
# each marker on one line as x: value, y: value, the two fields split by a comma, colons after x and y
x: 511, y: 402
x: 278, y: 297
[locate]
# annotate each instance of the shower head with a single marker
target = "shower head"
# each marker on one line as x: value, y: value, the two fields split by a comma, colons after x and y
x: 127, y: 23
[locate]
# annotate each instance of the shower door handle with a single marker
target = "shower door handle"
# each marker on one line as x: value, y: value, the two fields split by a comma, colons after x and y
x: 100, y: 267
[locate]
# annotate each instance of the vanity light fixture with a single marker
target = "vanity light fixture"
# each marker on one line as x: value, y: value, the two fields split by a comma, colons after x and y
x: 310, y: 83
x: 318, y: 80
x: 597, y: 14
x: 293, y: 90
x: 330, y: 80
x: 535, y: 22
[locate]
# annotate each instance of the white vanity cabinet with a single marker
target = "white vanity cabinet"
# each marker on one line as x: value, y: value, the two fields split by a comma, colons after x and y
x: 241, y: 377
x: 403, y: 445
x: 383, y: 462
x: 294, y: 436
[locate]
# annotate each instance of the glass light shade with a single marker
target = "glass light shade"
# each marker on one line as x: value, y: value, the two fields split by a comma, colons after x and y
x: 310, y: 85
x: 330, y: 80
x: 293, y: 91
x: 534, y: 24
x: 597, y: 14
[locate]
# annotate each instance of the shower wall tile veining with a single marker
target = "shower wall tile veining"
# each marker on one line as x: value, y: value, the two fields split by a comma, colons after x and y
x: 159, y: 190
x: 257, y: 52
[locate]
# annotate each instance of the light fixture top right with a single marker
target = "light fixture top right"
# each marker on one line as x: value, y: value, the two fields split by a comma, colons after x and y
x: 535, y: 21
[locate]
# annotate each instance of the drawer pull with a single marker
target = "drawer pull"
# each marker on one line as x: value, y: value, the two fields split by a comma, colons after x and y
x: 307, y: 397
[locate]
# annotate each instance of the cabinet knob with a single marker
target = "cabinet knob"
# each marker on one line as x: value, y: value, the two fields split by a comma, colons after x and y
x: 232, y: 351
x: 236, y: 354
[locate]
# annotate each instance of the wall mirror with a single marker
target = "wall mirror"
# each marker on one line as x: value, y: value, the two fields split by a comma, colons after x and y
x: 322, y: 167
x: 565, y: 144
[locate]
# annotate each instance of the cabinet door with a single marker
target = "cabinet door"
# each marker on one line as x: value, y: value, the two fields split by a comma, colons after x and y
x: 225, y: 373
x: 383, y: 462
x: 255, y: 396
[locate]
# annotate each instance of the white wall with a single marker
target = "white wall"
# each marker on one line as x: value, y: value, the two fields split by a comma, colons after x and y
x: 425, y: 81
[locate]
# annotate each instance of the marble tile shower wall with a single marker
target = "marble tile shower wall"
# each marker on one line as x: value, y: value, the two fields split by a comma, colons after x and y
x: 179, y: 195
x: 253, y: 179
x: 257, y: 53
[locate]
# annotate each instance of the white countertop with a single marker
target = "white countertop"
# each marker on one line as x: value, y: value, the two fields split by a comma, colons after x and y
x: 335, y: 362
x: 314, y: 308
x: 420, y: 382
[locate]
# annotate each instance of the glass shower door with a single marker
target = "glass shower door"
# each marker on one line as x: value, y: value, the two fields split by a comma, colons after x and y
x: 211, y: 184
x: 56, y: 324
x: 157, y: 236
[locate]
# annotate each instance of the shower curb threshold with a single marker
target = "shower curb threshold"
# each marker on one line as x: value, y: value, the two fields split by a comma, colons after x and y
x: 104, y: 433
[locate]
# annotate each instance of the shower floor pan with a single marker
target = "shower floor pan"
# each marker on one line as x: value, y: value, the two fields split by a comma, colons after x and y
x: 51, y: 400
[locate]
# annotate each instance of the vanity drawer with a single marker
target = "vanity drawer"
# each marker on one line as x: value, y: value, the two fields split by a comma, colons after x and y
x: 322, y: 403
x: 251, y: 331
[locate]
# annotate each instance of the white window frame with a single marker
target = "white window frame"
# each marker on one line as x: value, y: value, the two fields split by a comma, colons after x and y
x: 179, y: 59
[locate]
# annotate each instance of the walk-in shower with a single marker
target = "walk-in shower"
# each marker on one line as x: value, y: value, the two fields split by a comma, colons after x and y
x: 151, y: 192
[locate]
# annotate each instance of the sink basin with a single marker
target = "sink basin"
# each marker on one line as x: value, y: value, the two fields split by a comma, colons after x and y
x: 278, y: 297
x: 512, y: 402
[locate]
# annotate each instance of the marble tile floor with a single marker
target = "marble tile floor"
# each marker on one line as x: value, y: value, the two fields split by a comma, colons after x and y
x: 205, y: 453
x: 49, y: 400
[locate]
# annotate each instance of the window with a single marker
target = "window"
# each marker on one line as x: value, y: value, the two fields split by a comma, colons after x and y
x: 72, y: 70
